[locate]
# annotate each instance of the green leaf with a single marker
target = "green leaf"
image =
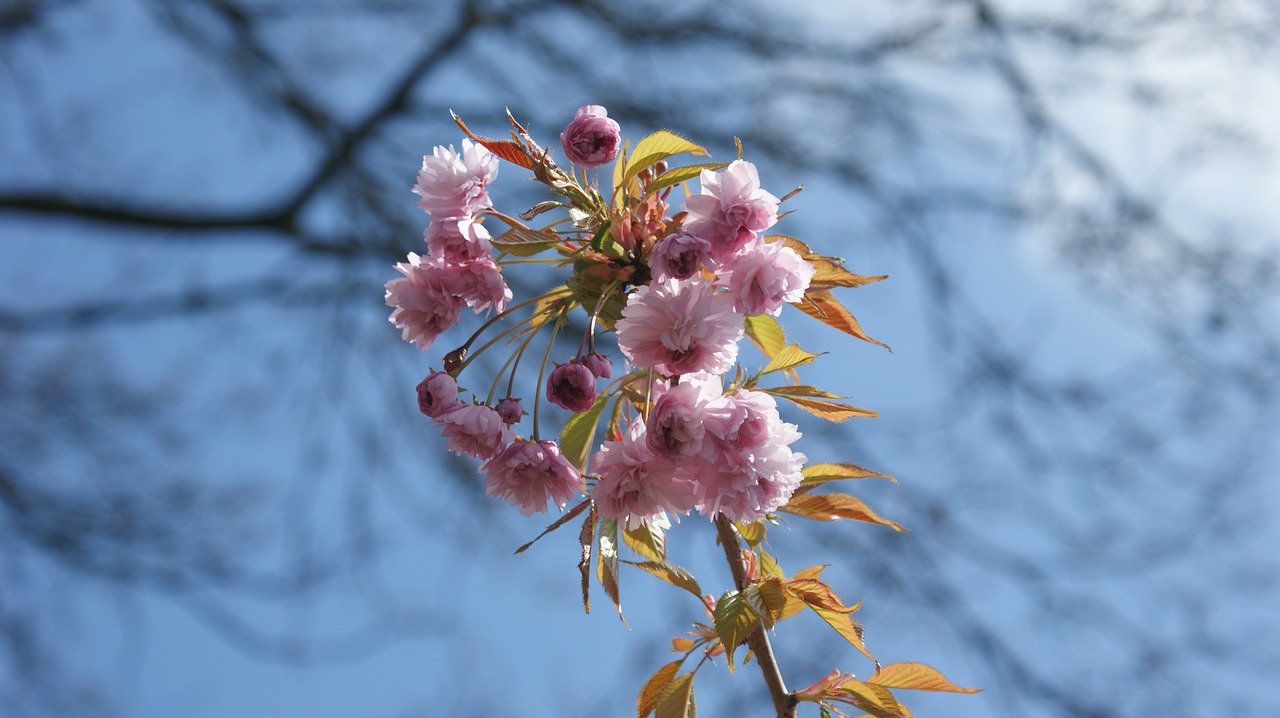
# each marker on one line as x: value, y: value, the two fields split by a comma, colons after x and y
x: 557, y: 524
x: 790, y: 357
x: 676, y: 700
x: 648, y: 541
x: 766, y: 333
x: 674, y: 575
x: 579, y: 434
x: 607, y: 562
x: 734, y: 621
x: 657, y: 146
x: 829, y: 507
x: 815, y: 474
x: 525, y: 242
x: 768, y: 599
x: 652, y: 688
x: 917, y: 677
x: 676, y: 175
x: 752, y: 533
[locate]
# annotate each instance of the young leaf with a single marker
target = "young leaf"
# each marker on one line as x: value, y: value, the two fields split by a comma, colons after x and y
x: 557, y: 524
x: 815, y: 592
x: 875, y: 700
x: 607, y: 562
x: 824, y: 307
x: 815, y: 474
x: 768, y: 599
x: 917, y: 677
x: 508, y: 150
x: 829, y: 507
x: 524, y: 242
x: 658, y: 146
x: 679, y: 644
x: 648, y: 696
x: 648, y: 541
x: 734, y: 621
x: 847, y: 627
x: 766, y: 333
x: 823, y: 408
x: 674, y: 575
x: 828, y: 271
x: 586, y: 538
x: 676, y: 175
x: 790, y: 357
x: 579, y: 433
x: 676, y: 700
x: 752, y: 533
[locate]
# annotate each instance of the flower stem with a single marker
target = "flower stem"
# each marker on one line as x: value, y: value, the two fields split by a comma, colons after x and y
x: 783, y: 702
x: 555, y: 329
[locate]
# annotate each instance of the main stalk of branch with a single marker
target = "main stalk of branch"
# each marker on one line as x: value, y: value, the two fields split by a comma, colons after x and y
x: 783, y: 702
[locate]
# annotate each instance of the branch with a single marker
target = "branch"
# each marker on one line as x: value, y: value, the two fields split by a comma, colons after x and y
x: 784, y: 702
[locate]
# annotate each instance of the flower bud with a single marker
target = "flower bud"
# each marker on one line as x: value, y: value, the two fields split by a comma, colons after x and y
x: 572, y: 386
x: 453, y: 360
x: 510, y: 410
x: 592, y: 138
x: 599, y: 365
x: 437, y: 394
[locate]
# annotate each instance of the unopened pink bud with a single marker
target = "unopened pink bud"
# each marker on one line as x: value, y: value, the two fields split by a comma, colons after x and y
x: 572, y: 386
x: 437, y: 394
x: 599, y: 365
x: 592, y: 139
x: 510, y: 410
x: 453, y: 360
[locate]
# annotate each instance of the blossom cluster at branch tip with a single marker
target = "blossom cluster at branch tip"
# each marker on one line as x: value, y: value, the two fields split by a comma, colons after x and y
x: 676, y: 284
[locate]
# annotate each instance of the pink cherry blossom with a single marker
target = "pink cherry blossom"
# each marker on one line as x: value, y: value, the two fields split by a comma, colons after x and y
x: 475, y: 430
x: 679, y: 256
x: 572, y: 386
x: 765, y: 276
x: 457, y: 238
x: 731, y: 209
x: 480, y: 284
x: 454, y: 184
x: 752, y: 470
x: 674, y: 428
x: 437, y: 394
x: 527, y: 474
x: 592, y: 138
x: 426, y: 303
x: 636, y: 486
x: 679, y: 327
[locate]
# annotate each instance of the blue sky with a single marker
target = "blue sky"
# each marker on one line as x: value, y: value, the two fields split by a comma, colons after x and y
x: 302, y: 405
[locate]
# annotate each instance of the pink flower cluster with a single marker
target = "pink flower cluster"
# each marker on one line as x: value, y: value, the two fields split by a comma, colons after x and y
x: 682, y: 322
x: 524, y: 474
x: 699, y: 449
x: 459, y: 270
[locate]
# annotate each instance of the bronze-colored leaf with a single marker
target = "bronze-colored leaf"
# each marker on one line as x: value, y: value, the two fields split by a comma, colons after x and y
x: 824, y: 307
x: 917, y: 677
x: 607, y: 562
x: 586, y: 538
x: 676, y: 700
x: 829, y: 507
x: 525, y: 242
x: 815, y: 474
x: 557, y: 524
x: 876, y: 700
x: 674, y: 575
x: 508, y: 150
x: 652, y: 688
x: 829, y: 409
